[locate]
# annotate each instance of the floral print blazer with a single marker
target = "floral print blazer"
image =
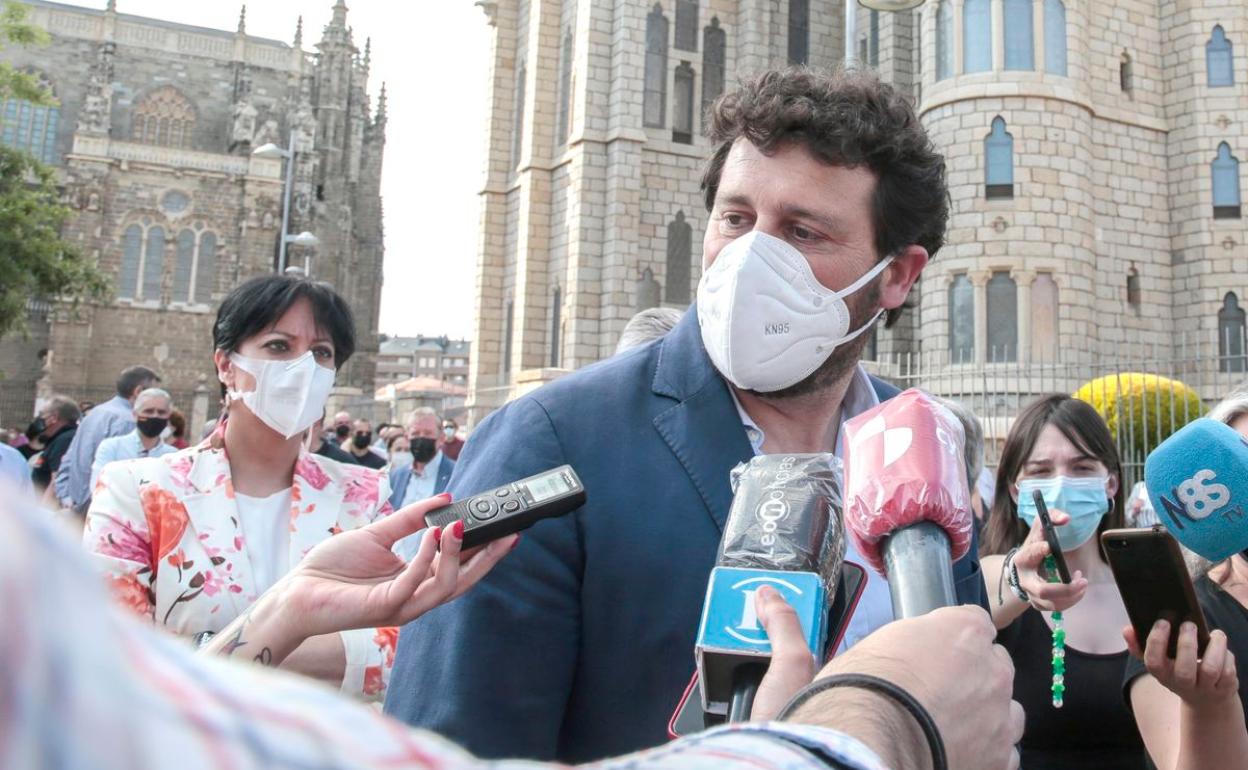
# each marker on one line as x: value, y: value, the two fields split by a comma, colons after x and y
x: 166, y: 532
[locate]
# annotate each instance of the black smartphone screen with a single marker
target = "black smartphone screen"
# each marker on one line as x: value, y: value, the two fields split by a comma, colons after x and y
x: 1050, y: 536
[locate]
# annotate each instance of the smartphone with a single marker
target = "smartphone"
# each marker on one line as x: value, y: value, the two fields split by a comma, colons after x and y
x: 689, y: 717
x: 1050, y: 536
x: 1154, y: 583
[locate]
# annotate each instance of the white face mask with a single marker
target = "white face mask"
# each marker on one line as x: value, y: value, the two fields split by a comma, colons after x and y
x: 767, y: 322
x: 290, y: 395
x: 449, y: 433
x: 400, y: 459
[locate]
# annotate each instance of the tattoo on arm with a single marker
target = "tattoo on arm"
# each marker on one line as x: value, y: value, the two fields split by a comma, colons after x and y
x: 264, y: 657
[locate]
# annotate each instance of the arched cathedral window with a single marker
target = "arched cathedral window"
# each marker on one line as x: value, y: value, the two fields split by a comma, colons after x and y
x: 1219, y: 59
x: 976, y: 36
x: 30, y: 127
x: 195, y: 266
x: 1055, y: 37
x: 1002, y: 318
x: 961, y: 320
x: 799, y: 31
x: 1225, y: 172
x: 1231, y: 332
x: 1020, y: 44
x: 679, y: 256
x: 944, y: 39
x: 998, y: 161
x: 164, y: 117
x: 654, y: 104
x: 687, y: 25
x: 713, y: 46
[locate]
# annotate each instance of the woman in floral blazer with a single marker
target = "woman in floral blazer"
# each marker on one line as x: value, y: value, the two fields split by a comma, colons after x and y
x: 191, y: 539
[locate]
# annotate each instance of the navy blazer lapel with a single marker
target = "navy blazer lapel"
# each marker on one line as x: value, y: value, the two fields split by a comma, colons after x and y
x: 703, y: 429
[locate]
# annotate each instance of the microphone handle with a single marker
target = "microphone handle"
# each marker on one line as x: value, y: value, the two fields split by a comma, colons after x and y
x: 745, y: 681
x: 919, y: 565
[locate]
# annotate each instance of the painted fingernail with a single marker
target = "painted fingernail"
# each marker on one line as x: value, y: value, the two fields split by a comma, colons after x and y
x: 436, y: 534
x: 446, y: 495
x: 457, y: 529
x: 516, y: 543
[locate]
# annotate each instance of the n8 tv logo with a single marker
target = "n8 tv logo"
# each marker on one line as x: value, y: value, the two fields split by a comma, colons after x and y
x: 730, y: 621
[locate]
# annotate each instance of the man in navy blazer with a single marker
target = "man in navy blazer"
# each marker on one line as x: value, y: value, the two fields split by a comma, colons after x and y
x: 579, y: 645
x: 400, y: 477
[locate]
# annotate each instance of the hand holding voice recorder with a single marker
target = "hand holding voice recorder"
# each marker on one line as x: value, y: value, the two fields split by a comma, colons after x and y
x: 512, y: 507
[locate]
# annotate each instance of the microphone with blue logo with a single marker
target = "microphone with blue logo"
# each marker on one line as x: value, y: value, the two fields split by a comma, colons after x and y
x: 1198, y: 483
x: 784, y: 531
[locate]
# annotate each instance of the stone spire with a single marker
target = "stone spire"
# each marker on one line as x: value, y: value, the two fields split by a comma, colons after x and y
x: 299, y: 32
x: 242, y: 20
x: 368, y: 52
x: 340, y: 15
x: 380, y: 119
x: 336, y: 31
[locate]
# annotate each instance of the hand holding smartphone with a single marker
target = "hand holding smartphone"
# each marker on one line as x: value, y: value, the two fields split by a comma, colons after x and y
x: 1050, y: 536
x: 1154, y: 583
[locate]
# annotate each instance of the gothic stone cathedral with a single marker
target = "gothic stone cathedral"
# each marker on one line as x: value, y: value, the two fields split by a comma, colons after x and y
x: 152, y: 139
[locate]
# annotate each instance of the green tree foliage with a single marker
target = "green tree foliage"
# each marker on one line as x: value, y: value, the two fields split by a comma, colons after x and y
x: 35, y: 261
x: 1142, y: 410
x: 15, y: 31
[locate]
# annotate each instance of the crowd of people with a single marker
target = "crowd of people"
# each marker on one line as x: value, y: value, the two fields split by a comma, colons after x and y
x: 295, y: 540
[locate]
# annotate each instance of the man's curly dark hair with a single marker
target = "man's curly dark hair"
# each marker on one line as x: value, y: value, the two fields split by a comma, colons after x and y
x: 844, y: 118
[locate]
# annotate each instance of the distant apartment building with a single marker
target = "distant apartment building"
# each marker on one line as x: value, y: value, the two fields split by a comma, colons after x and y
x: 440, y: 358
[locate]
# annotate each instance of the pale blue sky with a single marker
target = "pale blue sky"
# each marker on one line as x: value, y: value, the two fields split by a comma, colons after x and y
x: 433, y: 55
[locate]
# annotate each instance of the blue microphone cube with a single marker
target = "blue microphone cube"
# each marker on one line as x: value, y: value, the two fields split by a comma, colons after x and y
x: 731, y: 634
x: 1198, y: 483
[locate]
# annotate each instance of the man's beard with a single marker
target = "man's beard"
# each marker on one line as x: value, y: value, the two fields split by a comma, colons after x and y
x: 843, y: 358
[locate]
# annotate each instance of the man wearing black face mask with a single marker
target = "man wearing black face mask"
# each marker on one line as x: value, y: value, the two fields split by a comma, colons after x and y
x: 430, y: 470
x: 55, y: 426
x: 342, y: 428
x: 360, y: 446
x: 152, y: 408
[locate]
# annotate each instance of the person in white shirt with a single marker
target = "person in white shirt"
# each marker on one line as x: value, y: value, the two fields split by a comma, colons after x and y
x: 152, y: 408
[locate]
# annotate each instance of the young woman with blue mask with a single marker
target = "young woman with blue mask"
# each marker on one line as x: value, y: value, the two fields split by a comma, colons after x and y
x: 1065, y: 639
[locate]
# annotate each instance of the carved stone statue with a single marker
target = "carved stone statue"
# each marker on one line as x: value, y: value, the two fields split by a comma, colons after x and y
x: 244, y: 129
x: 267, y: 133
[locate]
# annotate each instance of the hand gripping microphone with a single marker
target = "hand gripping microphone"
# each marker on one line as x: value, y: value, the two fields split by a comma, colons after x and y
x: 783, y: 530
x: 1198, y: 483
x: 907, y: 505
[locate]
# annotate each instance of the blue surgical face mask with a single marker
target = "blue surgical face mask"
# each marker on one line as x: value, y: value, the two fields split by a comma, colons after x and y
x: 1084, y: 499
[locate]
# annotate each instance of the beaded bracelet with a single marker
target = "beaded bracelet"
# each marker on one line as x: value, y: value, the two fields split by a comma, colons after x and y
x: 935, y: 744
x: 1059, y: 642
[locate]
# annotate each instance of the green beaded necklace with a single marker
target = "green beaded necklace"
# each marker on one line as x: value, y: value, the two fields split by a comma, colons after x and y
x: 1059, y: 643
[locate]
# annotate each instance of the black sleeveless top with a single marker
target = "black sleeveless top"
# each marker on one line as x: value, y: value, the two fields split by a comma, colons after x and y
x: 1222, y: 611
x: 1093, y: 729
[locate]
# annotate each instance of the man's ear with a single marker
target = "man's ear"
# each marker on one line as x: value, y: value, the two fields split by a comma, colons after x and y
x: 901, y: 275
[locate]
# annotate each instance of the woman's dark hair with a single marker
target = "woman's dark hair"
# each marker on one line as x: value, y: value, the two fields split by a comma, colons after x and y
x: 177, y: 421
x: 257, y: 304
x: 1081, y: 426
x: 844, y: 118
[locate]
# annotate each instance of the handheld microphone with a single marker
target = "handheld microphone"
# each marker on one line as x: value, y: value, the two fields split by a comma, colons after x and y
x: 783, y: 530
x: 907, y: 505
x: 1198, y: 483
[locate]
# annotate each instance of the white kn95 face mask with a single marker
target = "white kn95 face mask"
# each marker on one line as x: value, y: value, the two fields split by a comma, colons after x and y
x: 767, y: 322
x: 289, y: 395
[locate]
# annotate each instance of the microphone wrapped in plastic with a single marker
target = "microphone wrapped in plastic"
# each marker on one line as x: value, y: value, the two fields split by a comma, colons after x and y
x: 907, y: 504
x: 1198, y: 482
x: 783, y: 530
